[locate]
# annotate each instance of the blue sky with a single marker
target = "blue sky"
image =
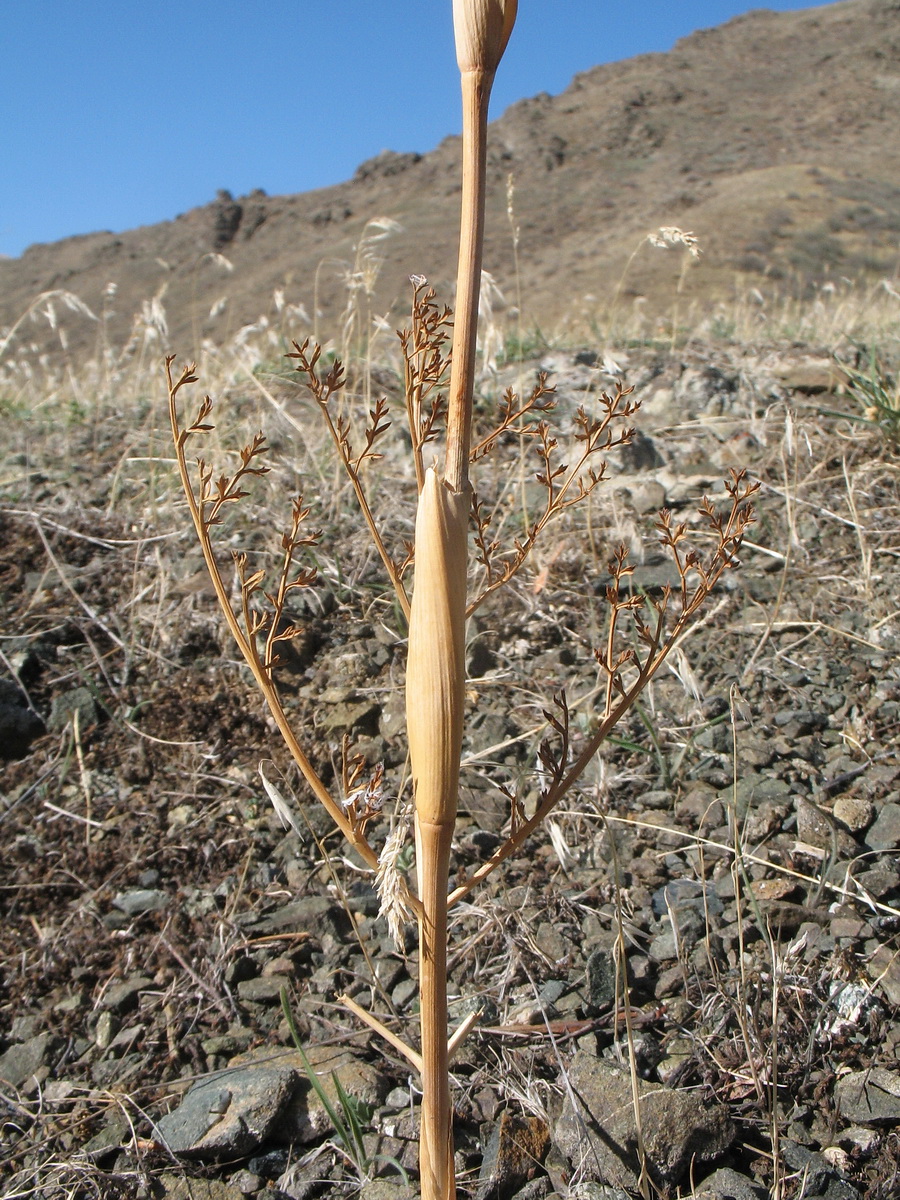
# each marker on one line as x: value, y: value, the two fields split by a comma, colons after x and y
x: 122, y: 114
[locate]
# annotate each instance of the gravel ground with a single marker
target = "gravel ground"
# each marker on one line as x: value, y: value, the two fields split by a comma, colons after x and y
x: 739, y: 833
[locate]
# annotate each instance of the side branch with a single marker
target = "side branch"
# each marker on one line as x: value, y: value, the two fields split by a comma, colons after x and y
x: 323, y: 388
x: 246, y: 643
x: 697, y: 581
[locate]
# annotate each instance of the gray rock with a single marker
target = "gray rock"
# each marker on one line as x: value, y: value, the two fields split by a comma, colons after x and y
x: 387, y: 1189
x: 246, y: 1182
x: 141, y: 900
x: 537, y: 1189
x: 754, y: 789
x: 684, y: 903
x: 664, y: 947
x: 679, y: 1052
x: 123, y: 997
x: 263, y: 990
x: 183, y: 1187
x: 229, y: 1043
x: 869, y: 1097
x: 601, y: 979
x: 883, y: 968
x: 19, y: 725
x: 315, y: 914
x: 305, y: 1118
x: 23, y: 1028
x: 65, y: 706
x: 854, y: 812
x: 885, y: 833
x: 599, y: 1138
x: 114, y: 1134
x: 301, y: 1181
x: 645, y: 495
x: 589, y: 1189
x: 814, y: 827
x: 726, y: 1184
x: 821, y: 1182
x: 23, y: 1060
x: 641, y: 454
x: 230, y: 1114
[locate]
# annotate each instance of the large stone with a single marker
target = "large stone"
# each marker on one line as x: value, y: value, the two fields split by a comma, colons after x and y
x: 728, y: 1184
x: 885, y: 833
x: 597, y: 1134
x: 313, y: 914
x: 601, y: 979
x: 513, y: 1154
x: 123, y: 997
x: 79, y: 700
x: 141, y: 900
x: 180, y: 1187
x: 870, y: 1097
x: 21, y: 1062
x: 884, y: 970
x: 229, y: 1114
x: 306, y: 1118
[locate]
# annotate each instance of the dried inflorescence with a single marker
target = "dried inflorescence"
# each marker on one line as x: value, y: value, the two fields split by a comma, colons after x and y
x: 642, y: 630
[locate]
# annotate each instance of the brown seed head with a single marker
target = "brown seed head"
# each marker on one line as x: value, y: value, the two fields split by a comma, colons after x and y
x: 482, y: 29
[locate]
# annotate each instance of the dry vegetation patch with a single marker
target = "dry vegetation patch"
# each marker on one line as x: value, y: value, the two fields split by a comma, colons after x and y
x: 739, y: 834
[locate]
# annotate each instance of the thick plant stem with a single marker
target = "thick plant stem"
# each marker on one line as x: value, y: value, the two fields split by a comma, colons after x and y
x: 435, y: 697
x: 437, y: 1180
x: 476, y: 92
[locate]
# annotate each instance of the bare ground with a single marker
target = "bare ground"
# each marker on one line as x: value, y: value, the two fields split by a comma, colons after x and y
x: 750, y: 810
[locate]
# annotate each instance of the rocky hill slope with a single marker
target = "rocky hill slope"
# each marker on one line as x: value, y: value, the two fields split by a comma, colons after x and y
x: 773, y: 137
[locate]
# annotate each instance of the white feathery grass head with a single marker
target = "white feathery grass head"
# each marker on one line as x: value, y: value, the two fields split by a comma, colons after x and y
x: 377, y: 229
x: 153, y: 316
x: 281, y: 806
x: 76, y: 304
x: 389, y: 881
x: 490, y: 334
x: 678, y: 664
x: 560, y: 845
x: 671, y: 235
x: 221, y: 261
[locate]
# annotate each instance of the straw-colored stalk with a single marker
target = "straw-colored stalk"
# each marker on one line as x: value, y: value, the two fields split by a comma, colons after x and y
x: 435, y: 696
x: 482, y: 29
x: 435, y: 683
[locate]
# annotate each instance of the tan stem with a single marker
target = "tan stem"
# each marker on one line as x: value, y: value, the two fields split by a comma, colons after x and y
x: 435, y: 699
x: 391, y: 1038
x: 476, y: 92
x: 436, y: 1138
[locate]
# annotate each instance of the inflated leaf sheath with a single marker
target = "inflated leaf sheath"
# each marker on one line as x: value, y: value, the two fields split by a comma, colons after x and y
x: 436, y: 668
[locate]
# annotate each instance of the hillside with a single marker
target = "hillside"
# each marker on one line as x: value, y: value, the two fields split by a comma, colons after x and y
x: 773, y: 137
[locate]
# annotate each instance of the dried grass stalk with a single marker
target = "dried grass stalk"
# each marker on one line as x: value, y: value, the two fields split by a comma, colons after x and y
x: 435, y: 699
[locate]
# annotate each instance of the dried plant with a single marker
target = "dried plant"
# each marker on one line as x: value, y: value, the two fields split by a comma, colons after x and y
x: 641, y: 631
